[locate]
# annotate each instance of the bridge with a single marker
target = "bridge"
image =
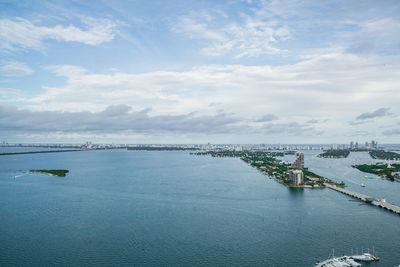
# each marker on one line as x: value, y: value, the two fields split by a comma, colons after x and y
x: 368, y: 199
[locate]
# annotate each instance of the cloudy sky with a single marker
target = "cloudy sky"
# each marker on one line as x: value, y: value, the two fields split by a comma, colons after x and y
x: 232, y: 71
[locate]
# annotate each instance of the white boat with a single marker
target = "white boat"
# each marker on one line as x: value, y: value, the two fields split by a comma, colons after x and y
x: 339, y: 262
x: 332, y: 263
x: 365, y: 257
x: 351, y: 262
x: 347, y: 261
x: 362, y: 185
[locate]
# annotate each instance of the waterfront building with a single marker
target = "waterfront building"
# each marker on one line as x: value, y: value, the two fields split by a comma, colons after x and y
x: 351, y: 145
x: 374, y: 144
x: 299, y: 161
x: 367, y: 146
x: 296, y: 177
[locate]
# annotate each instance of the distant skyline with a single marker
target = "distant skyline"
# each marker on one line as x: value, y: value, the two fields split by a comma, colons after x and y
x: 292, y: 72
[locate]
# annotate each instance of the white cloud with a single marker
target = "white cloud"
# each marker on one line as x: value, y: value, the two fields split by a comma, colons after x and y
x: 385, y: 27
x: 253, y: 36
x: 22, y: 33
x: 14, y: 68
x: 9, y: 93
x: 372, y: 36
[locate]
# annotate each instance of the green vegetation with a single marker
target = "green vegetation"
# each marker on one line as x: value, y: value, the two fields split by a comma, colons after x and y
x: 60, y: 173
x: 239, y: 154
x: 274, y: 168
x: 161, y: 148
x: 337, y: 153
x: 382, y: 154
x: 383, y: 170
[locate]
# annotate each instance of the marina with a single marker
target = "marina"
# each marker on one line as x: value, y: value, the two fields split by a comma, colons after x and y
x: 347, y: 261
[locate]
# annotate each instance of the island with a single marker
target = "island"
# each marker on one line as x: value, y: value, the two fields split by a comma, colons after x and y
x: 384, y: 155
x: 335, y: 153
x: 60, y: 173
x: 386, y: 171
x: 274, y: 168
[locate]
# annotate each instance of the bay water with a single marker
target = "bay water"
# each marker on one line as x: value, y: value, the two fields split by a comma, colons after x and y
x: 170, y: 208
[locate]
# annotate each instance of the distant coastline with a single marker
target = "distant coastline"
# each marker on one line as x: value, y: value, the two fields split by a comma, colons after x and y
x: 37, y: 152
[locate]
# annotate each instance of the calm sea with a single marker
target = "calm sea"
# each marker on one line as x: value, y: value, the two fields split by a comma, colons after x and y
x: 141, y: 208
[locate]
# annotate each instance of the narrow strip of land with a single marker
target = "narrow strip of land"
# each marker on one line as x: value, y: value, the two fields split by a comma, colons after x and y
x: 36, y: 152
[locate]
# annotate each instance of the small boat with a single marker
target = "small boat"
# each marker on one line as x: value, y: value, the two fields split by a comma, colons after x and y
x: 362, y: 185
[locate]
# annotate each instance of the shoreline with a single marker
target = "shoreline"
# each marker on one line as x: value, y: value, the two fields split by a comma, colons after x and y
x: 38, y: 152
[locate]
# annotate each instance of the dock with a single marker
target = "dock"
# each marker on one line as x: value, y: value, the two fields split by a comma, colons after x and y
x: 368, y: 199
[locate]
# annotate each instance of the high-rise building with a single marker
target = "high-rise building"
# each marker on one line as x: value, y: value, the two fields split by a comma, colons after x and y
x: 356, y: 145
x: 351, y: 145
x: 374, y: 144
x: 367, y: 145
x: 296, y: 177
x: 299, y: 161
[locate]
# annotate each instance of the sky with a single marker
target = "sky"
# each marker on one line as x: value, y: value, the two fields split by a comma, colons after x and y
x: 193, y: 71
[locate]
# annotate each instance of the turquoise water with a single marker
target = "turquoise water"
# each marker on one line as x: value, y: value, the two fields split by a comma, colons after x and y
x: 143, y: 208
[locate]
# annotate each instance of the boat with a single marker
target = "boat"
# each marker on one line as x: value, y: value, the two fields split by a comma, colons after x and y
x: 365, y: 257
x: 352, y: 262
x: 347, y: 261
x: 362, y: 185
x: 344, y: 261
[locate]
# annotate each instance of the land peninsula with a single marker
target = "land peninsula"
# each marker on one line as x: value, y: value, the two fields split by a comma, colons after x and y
x: 267, y: 163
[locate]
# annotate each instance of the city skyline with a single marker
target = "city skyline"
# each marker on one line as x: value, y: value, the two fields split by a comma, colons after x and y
x: 241, y: 72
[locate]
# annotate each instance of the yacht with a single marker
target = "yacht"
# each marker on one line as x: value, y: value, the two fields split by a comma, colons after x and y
x: 365, y: 257
x: 347, y: 261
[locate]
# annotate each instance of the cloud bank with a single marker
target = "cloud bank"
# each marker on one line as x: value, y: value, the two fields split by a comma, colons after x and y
x: 115, y: 118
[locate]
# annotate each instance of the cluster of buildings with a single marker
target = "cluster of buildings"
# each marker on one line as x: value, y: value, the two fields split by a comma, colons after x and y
x: 296, y: 175
x: 368, y: 145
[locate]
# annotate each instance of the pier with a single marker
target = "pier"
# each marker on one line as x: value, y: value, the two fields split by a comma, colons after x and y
x: 368, y: 199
